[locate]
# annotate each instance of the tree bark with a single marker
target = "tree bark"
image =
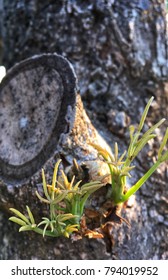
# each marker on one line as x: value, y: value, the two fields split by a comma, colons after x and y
x: 119, y: 52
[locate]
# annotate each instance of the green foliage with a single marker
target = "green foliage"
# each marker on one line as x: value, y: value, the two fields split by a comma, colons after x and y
x: 65, y: 201
x: 120, y: 167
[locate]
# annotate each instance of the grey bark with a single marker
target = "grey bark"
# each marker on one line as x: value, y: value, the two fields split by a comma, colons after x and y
x: 119, y: 52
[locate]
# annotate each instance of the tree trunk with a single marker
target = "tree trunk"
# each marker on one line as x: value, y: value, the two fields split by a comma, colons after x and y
x: 119, y: 52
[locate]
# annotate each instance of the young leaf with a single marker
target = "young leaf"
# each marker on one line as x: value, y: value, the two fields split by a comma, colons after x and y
x: 17, y: 221
x: 70, y: 229
x: 44, y: 230
x: 20, y: 215
x: 121, y: 157
x: 25, y: 228
x: 142, y: 142
x: 66, y: 183
x: 163, y: 144
x: 72, y: 182
x: 92, y: 189
x: 55, y: 174
x: 103, y: 152
x: 46, y: 221
x: 41, y: 198
x: 45, y: 185
x: 141, y: 124
x: 131, y: 129
x: 164, y: 157
x: 30, y: 215
x: 132, y: 145
x: 76, y: 187
x: 150, y: 130
x: 59, y: 197
x: 65, y: 217
x: 116, y: 151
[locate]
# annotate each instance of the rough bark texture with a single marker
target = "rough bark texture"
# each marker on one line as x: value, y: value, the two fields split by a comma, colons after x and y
x: 119, y: 52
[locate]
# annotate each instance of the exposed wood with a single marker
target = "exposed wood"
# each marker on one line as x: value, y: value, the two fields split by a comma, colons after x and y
x: 41, y: 116
x: 119, y: 52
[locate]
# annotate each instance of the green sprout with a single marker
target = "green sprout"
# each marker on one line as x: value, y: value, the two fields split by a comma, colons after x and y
x: 66, y: 199
x: 120, y: 168
x: 56, y: 227
x: 77, y: 197
x: 66, y: 202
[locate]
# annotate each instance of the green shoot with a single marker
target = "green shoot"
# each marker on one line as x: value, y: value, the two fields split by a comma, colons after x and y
x: 66, y: 201
x: 120, y: 168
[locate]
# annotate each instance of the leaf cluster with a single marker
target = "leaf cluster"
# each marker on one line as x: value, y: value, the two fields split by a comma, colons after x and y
x: 66, y: 201
x: 120, y: 167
